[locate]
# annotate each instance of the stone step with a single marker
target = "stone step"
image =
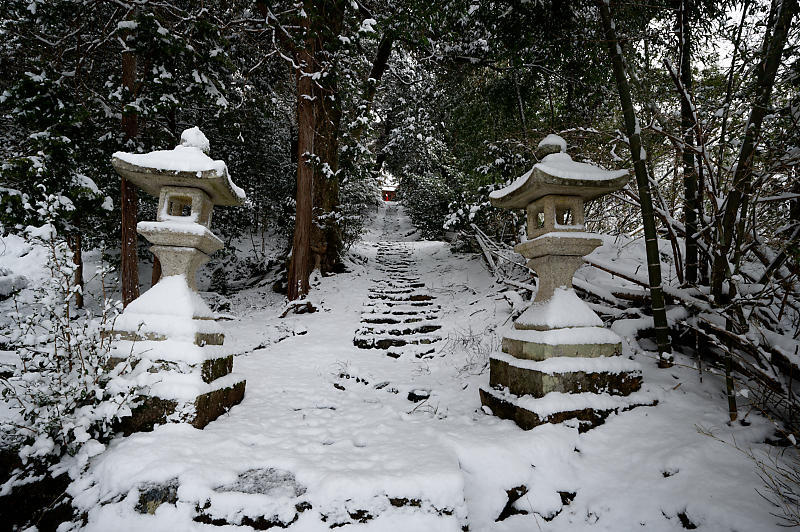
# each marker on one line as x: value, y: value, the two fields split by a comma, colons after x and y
x: 399, y: 329
x: 413, y: 296
x: 418, y: 351
x: 589, y: 409
x: 398, y: 318
x: 385, y: 342
x: 399, y: 284
x: 219, y: 396
x: 259, y: 498
x: 401, y: 307
x: 392, y: 290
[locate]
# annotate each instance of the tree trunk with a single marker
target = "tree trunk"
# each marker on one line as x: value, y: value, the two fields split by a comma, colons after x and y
x: 702, y: 255
x: 300, y: 264
x: 379, y: 66
x: 75, y: 242
x: 318, y: 241
x: 129, y: 202
x: 129, y: 260
x: 687, y: 125
x: 520, y: 107
x: 326, y: 236
x: 731, y: 227
x: 156, y: 275
x: 642, y: 180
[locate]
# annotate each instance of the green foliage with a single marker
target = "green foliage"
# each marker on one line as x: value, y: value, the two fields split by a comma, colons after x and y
x: 426, y: 199
x: 62, y: 95
x: 473, y: 207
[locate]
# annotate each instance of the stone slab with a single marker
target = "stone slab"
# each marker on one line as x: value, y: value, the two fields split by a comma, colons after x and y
x: 522, y: 381
x: 200, y: 339
x: 538, y: 351
x: 180, y: 234
x: 587, y: 418
x: 207, y: 407
x: 559, y: 244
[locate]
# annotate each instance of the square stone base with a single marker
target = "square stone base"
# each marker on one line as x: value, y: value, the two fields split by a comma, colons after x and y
x: 199, y: 413
x: 526, y: 381
x: 505, y: 406
x: 541, y: 351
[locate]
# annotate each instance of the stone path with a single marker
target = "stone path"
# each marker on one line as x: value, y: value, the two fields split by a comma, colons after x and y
x: 401, y: 316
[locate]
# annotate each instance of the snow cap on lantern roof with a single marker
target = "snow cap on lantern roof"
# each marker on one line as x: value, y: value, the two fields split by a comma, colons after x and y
x: 187, y: 165
x: 553, y: 143
x: 558, y: 174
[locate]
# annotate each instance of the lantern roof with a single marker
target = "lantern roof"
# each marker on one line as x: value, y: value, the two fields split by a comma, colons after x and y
x: 187, y: 165
x: 558, y: 174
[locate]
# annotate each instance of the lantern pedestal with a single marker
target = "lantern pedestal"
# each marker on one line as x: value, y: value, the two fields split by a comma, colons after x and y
x: 557, y: 361
x: 169, y: 329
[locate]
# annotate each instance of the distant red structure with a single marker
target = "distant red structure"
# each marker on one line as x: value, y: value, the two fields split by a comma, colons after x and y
x: 389, y: 193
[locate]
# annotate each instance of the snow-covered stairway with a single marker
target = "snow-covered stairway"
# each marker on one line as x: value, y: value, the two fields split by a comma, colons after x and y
x: 401, y: 315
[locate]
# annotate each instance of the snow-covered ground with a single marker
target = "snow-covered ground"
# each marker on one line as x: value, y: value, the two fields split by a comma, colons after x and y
x: 328, y: 433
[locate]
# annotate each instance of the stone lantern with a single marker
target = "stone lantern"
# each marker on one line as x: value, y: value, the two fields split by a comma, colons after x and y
x: 169, y: 329
x: 558, y: 362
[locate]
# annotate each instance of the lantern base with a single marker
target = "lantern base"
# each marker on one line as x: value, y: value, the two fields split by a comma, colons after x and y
x: 585, y: 410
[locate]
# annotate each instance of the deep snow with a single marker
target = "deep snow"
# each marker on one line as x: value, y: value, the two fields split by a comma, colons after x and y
x: 335, y: 426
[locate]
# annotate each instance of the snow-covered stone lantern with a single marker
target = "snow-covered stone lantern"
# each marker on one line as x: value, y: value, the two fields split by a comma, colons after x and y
x: 170, y: 328
x: 558, y: 362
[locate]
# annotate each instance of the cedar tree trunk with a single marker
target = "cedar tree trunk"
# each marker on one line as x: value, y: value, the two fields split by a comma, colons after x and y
x: 129, y: 200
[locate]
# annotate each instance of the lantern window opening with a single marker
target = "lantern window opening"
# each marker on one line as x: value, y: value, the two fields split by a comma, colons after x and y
x: 179, y: 206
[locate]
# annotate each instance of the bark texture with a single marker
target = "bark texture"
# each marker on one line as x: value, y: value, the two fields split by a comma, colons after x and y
x: 129, y: 201
x: 300, y: 263
x: 156, y: 275
x: 687, y: 125
x: 326, y: 237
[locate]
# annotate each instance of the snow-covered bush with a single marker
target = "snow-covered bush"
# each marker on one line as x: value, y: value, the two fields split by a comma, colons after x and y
x: 64, y: 395
x: 426, y: 198
x: 474, y: 208
x: 360, y: 195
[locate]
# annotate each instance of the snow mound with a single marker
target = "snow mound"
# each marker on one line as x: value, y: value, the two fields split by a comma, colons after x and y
x: 561, y: 165
x: 554, y: 140
x: 171, y: 310
x: 11, y: 282
x: 22, y: 262
x: 181, y: 159
x: 171, y: 296
x: 564, y: 309
x: 194, y: 138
